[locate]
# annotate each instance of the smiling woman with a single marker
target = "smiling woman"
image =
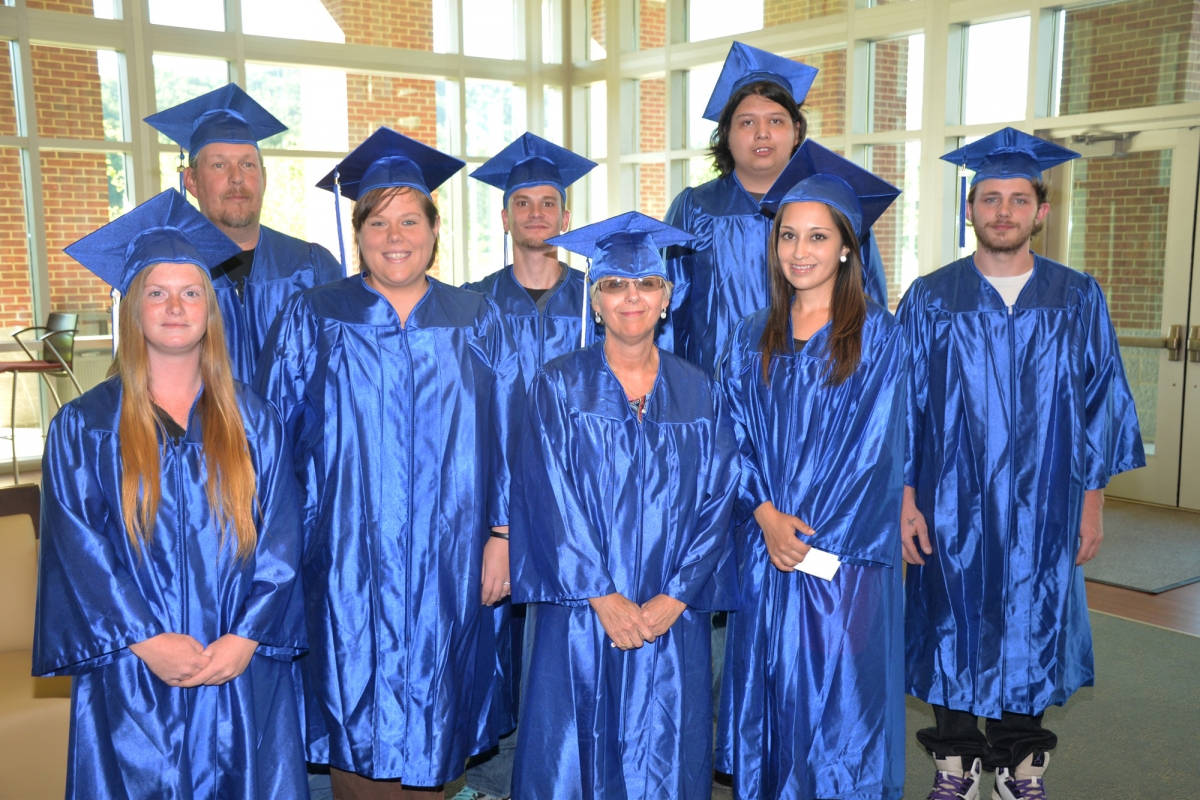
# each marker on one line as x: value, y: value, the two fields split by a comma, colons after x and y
x: 397, y: 233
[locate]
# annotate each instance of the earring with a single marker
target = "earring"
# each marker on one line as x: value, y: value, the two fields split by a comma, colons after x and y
x: 843, y: 259
x: 663, y: 315
x: 598, y: 320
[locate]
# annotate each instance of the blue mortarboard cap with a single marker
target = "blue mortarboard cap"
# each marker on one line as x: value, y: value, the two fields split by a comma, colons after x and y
x: 1009, y: 153
x: 387, y: 159
x: 227, y: 114
x: 745, y: 65
x: 626, y: 246
x: 533, y: 161
x: 165, y: 229
x: 817, y: 174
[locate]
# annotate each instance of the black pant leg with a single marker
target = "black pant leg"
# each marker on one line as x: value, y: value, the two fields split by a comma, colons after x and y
x: 955, y: 734
x: 1013, y: 737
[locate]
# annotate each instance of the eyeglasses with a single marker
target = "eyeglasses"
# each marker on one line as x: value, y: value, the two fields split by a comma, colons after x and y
x: 621, y: 285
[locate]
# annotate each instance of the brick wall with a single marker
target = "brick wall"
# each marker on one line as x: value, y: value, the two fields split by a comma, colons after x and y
x: 889, y: 163
x: 1131, y: 54
x: 1119, y: 235
x: 780, y: 12
x: 825, y: 106
x: 83, y: 7
x: 652, y: 112
x: 889, y: 85
x: 597, y: 28
x: 16, y: 301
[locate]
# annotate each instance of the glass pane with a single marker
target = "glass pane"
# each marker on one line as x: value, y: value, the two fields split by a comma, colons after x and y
x: 652, y: 189
x: 16, y: 298
x: 485, y: 234
x: 781, y: 12
x: 874, y: 3
x: 709, y: 19
x: 597, y: 134
x: 490, y: 28
x: 205, y: 15
x: 295, y: 206
x: 445, y: 31
x: 991, y: 94
x: 552, y: 31
x: 495, y: 115
x: 700, y: 170
x: 897, y: 79
x: 825, y: 106
x: 1118, y: 235
x: 700, y: 83
x: 311, y: 101
x: 1125, y: 55
x: 407, y: 105
x: 652, y: 115
x: 595, y: 44
x: 77, y: 92
x: 651, y: 24
x: 302, y: 19
x: 552, y: 114
x: 8, y: 98
x: 180, y: 78
x: 896, y: 230
x: 100, y: 8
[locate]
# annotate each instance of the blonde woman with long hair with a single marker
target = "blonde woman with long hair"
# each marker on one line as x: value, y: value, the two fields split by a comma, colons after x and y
x: 170, y: 545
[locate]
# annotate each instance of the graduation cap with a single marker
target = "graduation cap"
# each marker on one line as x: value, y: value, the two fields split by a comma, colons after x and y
x: 625, y: 246
x: 387, y: 159
x: 227, y: 114
x: 817, y: 174
x: 746, y: 65
x: 1007, y: 153
x: 533, y: 161
x: 165, y: 229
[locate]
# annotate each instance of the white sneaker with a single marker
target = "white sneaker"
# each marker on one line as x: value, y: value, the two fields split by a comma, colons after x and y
x: 953, y: 781
x: 1024, y: 782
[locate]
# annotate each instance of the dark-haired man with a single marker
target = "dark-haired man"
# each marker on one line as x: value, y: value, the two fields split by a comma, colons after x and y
x: 1020, y: 416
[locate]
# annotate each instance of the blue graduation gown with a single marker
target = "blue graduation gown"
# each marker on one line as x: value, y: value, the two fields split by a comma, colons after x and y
x: 133, y: 736
x: 813, y: 696
x: 539, y: 335
x: 1014, y: 416
x: 724, y: 276
x: 402, y: 448
x: 605, y: 504
x: 283, y: 265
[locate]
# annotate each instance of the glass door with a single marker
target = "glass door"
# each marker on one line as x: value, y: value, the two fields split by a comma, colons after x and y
x: 1126, y: 214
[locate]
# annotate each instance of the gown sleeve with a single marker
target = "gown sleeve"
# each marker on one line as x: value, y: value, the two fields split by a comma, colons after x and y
x: 89, y: 606
x: 874, y: 277
x: 707, y: 577
x: 736, y: 372
x: 504, y: 412
x: 855, y: 508
x: 273, y: 611
x: 679, y: 269
x: 557, y: 553
x: 1114, y: 440
x: 915, y: 322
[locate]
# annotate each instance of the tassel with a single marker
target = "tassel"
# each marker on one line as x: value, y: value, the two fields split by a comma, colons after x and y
x: 182, y: 163
x: 587, y: 271
x: 116, y: 308
x: 505, y: 254
x: 337, y: 216
x: 962, y: 210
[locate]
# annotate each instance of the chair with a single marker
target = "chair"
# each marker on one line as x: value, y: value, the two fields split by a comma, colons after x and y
x: 35, y: 713
x: 58, y: 340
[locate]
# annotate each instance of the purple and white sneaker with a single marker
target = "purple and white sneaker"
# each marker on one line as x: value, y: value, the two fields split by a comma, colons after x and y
x: 953, y: 781
x: 1025, y: 781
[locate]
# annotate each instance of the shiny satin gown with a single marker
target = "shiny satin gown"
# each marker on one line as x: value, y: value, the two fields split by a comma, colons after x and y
x: 283, y: 265
x: 604, y: 503
x: 812, y: 701
x: 1015, y: 414
x: 724, y: 277
x: 132, y: 735
x: 403, y: 439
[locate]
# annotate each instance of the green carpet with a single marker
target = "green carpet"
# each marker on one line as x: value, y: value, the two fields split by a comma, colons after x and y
x: 1147, y: 548
x: 1135, y: 735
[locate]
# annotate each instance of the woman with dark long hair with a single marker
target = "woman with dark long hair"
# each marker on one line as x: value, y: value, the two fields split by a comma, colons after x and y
x: 170, y: 542
x: 816, y: 386
x: 402, y: 394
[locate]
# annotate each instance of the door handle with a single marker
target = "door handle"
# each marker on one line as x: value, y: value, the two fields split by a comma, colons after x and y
x: 1193, y: 344
x: 1173, y: 343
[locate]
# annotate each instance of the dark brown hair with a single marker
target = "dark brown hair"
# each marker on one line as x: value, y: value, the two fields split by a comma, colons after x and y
x: 377, y: 199
x: 847, y: 312
x: 1040, y: 187
x: 719, y: 143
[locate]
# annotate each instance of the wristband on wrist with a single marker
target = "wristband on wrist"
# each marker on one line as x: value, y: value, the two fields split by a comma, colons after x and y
x: 499, y: 535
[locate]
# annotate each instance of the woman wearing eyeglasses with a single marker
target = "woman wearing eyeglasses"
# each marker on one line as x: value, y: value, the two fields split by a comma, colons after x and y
x: 620, y: 518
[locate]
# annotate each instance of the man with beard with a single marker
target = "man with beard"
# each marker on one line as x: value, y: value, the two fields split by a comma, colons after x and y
x: 225, y: 173
x: 1020, y: 414
x: 542, y: 301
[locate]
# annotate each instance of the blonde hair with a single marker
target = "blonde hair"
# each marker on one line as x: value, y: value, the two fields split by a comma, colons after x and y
x: 231, y: 483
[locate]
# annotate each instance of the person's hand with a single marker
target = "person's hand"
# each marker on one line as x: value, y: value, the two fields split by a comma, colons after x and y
x: 622, y: 620
x: 173, y: 657
x: 1091, y: 527
x: 228, y: 657
x: 912, y: 525
x: 779, y: 533
x: 495, y: 569
x: 660, y: 613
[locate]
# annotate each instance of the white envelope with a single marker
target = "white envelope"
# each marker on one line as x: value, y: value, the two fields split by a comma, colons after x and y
x: 820, y: 563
